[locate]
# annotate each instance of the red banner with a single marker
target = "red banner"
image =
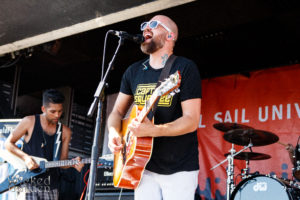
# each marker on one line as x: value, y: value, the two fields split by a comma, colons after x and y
x: 267, y: 100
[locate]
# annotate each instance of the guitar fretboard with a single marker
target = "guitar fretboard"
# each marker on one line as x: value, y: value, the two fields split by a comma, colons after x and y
x: 148, y: 105
x: 61, y: 163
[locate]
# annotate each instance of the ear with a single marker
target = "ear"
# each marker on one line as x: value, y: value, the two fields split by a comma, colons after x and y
x: 170, y: 36
x: 43, y: 109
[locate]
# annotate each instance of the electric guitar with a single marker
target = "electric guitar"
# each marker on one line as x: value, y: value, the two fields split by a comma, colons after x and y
x: 22, y: 174
x: 130, y: 162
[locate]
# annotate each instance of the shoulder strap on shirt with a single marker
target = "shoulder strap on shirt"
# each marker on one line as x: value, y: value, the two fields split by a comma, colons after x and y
x: 163, y: 75
x: 57, y: 142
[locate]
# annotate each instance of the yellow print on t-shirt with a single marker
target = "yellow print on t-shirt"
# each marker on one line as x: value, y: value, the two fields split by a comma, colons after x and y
x: 143, y: 93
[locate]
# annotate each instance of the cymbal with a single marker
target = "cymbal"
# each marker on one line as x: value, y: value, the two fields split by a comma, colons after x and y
x: 244, y: 136
x: 250, y: 156
x: 229, y: 126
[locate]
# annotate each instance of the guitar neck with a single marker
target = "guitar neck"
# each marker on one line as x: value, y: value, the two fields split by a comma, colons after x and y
x: 165, y: 87
x: 148, y: 105
x: 62, y: 163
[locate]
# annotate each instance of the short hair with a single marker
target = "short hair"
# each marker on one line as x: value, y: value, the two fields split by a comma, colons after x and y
x: 52, y: 96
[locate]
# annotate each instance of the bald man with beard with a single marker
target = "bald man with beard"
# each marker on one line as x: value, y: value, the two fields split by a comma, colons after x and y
x: 172, y: 171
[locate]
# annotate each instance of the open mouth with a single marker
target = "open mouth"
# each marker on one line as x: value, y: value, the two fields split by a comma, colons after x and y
x: 147, y: 36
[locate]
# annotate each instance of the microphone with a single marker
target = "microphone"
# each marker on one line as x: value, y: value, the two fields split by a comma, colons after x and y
x: 138, y: 38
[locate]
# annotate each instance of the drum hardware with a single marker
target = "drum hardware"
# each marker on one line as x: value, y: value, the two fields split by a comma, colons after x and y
x: 246, y: 171
x: 230, y: 168
x: 294, y: 184
x: 245, y: 136
x: 291, y: 183
x: 247, y: 156
x: 296, y: 168
x: 248, y: 175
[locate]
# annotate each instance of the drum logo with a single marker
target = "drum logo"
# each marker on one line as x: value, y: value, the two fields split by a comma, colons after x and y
x: 260, y: 187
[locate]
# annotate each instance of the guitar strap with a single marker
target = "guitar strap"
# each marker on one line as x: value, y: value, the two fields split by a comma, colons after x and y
x: 163, y: 75
x: 57, y: 142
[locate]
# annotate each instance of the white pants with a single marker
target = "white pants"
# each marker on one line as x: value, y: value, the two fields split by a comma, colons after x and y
x: 177, y: 186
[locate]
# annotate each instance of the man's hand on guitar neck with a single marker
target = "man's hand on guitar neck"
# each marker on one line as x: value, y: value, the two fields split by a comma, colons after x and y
x: 78, y: 166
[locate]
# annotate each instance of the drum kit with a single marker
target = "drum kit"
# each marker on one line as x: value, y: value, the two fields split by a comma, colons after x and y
x: 255, y: 186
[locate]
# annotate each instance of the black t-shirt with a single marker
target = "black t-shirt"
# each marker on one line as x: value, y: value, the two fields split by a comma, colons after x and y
x: 169, y: 154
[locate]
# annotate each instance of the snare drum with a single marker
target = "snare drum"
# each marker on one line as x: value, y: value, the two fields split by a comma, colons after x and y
x: 262, y: 187
x: 296, y: 169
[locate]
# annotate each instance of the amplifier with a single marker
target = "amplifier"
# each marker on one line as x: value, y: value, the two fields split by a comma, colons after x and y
x: 104, y: 181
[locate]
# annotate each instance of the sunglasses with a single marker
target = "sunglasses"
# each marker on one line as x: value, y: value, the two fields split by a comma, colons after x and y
x: 153, y: 24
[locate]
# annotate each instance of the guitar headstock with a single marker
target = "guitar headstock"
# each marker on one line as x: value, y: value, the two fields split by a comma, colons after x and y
x: 170, y: 84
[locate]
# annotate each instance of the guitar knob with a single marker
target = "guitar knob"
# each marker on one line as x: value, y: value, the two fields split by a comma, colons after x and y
x: 177, y: 90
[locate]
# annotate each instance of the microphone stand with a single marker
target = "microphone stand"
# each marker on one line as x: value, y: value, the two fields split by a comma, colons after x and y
x: 97, y: 99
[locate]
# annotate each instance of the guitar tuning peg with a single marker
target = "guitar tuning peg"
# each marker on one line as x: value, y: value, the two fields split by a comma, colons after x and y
x: 177, y: 90
x: 172, y: 93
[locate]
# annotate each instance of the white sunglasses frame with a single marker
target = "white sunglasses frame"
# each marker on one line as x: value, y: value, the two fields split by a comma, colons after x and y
x: 158, y: 23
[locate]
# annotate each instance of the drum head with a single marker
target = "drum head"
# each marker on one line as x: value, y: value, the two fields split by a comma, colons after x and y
x: 261, y: 187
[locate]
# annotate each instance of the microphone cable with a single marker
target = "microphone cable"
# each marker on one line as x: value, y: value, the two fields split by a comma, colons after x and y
x: 104, y: 51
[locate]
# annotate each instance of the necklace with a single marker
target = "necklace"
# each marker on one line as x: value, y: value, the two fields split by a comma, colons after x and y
x: 45, y: 141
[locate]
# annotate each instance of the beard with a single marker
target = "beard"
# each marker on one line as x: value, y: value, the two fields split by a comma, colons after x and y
x: 51, y: 120
x: 153, y: 45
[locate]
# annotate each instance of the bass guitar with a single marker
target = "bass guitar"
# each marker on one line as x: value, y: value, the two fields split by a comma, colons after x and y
x: 130, y: 162
x: 22, y: 174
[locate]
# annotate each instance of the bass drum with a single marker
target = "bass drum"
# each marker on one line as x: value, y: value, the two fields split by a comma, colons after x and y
x: 261, y: 187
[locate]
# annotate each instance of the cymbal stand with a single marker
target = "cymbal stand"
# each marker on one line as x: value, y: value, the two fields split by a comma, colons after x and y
x: 230, y: 172
x: 230, y: 168
x: 245, y: 172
